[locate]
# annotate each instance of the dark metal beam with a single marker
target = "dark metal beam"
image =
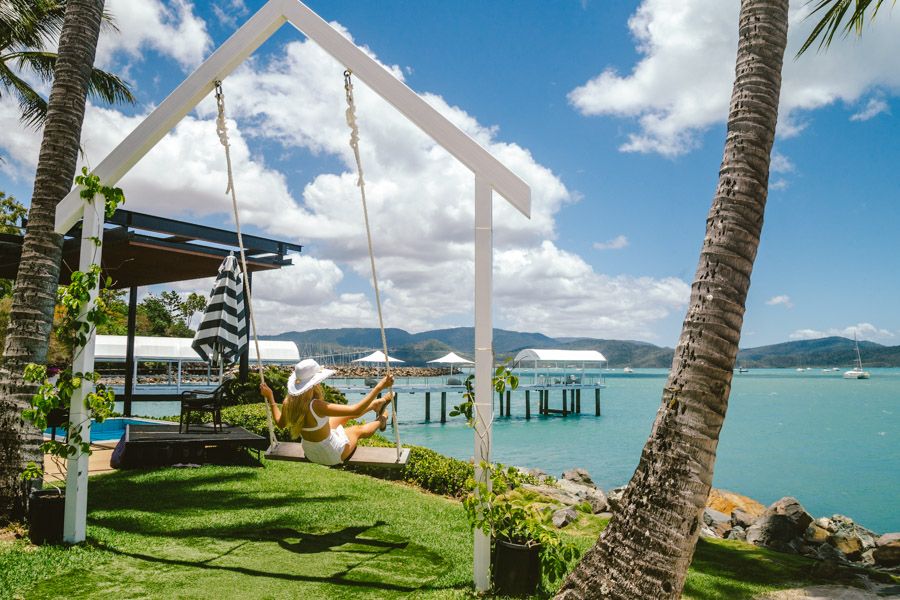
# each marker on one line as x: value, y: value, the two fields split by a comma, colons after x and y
x: 129, y: 351
x: 253, y: 244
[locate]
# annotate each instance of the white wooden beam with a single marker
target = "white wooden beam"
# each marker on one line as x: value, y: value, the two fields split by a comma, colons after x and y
x: 75, y: 516
x: 178, y: 104
x: 484, y: 365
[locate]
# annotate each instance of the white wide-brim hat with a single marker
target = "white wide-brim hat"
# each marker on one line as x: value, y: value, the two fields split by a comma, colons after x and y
x: 307, y: 374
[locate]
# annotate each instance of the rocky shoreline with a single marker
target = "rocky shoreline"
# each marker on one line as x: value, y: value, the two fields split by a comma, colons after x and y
x: 842, y: 546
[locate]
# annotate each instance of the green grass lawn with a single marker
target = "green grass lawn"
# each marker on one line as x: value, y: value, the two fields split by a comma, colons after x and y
x: 298, y: 530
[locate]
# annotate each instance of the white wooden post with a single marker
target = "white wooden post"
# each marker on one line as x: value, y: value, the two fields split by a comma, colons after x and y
x: 484, y: 364
x: 77, y: 470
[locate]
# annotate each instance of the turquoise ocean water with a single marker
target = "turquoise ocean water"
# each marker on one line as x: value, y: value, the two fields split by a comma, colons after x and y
x: 832, y: 443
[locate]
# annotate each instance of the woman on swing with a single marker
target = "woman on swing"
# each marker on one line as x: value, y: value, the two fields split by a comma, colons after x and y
x: 320, y: 424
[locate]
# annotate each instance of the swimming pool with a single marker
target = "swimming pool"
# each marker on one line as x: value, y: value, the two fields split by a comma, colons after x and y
x: 109, y: 430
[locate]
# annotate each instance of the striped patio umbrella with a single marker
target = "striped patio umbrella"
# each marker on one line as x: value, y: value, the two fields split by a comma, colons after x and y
x: 222, y: 334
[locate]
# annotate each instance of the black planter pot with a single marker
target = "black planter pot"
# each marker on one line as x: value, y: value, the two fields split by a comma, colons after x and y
x: 517, y: 568
x: 46, y: 511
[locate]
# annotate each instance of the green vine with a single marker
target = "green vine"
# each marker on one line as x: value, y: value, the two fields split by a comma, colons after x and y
x: 503, y: 378
x: 79, y: 318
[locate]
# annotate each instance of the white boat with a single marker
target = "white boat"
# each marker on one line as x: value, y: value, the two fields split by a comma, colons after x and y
x: 628, y: 370
x: 857, y: 371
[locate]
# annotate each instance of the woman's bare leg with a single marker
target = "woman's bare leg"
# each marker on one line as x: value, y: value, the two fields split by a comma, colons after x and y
x: 373, y: 405
x: 358, y: 432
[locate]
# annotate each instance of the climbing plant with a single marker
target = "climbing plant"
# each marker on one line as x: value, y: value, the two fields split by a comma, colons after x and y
x: 78, y: 319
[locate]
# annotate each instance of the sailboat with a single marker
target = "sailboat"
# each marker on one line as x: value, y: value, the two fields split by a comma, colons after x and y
x: 857, y: 371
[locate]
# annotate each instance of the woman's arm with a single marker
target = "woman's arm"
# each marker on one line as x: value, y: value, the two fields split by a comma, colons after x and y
x: 267, y: 393
x: 327, y: 409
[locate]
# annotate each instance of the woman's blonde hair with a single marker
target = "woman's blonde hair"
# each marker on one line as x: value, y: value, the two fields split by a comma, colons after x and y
x: 295, y: 408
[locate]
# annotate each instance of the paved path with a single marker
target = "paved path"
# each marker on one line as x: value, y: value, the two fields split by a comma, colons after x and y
x: 97, y: 463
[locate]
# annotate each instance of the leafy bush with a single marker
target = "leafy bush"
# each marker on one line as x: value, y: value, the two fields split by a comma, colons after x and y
x: 438, y: 473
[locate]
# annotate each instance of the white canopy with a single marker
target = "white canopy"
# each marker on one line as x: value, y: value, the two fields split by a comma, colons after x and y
x: 452, y: 359
x: 376, y: 357
x: 113, y: 347
x: 559, y: 356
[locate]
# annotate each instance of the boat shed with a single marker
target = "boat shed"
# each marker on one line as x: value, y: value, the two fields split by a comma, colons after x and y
x: 535, y: 357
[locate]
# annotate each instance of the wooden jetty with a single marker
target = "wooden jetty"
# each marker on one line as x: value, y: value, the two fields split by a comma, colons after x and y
x: 570, y: 394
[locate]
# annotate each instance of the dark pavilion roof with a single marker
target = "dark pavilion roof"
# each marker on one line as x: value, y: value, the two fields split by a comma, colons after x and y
x: 140, y: 249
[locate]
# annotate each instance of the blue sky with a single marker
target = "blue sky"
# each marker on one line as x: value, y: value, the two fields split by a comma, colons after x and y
x: 613, y: 112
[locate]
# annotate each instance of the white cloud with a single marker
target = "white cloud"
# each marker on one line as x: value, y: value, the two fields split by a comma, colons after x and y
x: 228, y: 12
x: 778, y: 184
x: 873, y: 108
x: 861, y: 330
x: 682, y: 84
x: 783, y: 300
x: 781, y: 163
x: 420, y: 204
x: 171, y: 29
x: 617, y: 243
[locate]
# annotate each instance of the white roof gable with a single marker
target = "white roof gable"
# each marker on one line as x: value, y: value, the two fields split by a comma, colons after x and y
x: 569, y: 356
x: 235, y: 51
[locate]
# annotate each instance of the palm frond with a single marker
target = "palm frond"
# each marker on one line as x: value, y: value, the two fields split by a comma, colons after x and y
x: 109, y: 87
x: 832, y: 20
x: 31, y: 104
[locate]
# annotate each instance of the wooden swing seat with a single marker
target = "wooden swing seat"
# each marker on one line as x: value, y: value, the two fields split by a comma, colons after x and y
x: 365, y: 456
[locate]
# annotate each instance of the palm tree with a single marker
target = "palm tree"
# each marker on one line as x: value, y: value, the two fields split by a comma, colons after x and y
x: 834, y: 13
x: 26, y: 29
x: 647, y: 547
x: 34, y: 297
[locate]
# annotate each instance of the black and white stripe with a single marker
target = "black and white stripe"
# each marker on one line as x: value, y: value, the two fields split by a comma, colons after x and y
x: 222, y: 335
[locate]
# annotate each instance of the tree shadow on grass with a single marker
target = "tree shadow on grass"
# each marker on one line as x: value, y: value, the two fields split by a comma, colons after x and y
x: 733, y: 570
x: 174, y: 497
x: 344, y: 541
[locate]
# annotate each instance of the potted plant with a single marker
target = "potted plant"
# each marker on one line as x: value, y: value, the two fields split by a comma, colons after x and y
x: 526, y: 545
x: 46, y: 512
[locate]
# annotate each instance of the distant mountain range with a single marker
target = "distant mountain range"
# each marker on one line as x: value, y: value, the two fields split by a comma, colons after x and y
x: 418, y: 348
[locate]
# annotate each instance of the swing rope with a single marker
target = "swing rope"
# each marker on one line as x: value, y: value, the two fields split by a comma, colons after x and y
x: 222, y: 131
x: 360, y: 182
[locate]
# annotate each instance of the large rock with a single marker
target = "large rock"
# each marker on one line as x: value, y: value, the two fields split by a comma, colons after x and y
x: 718, y: 522
x: 816, y: 534
x: 554, y: 493
x: 741, y: 518
x: 781, y: 527
x: 736, y: 533
x: 728, y: 502
x: 887, y: 538
x: 887, y: 554
x: 848, y: 543
x: 578, y: 476
x: 564, y: 516
x: 586, y: 493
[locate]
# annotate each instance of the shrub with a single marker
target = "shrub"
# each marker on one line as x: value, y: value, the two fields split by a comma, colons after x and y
x: 438, y: 473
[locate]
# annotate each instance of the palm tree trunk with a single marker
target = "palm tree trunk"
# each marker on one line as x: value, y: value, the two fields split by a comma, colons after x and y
x: 34, y: 297
x: 647, y: 548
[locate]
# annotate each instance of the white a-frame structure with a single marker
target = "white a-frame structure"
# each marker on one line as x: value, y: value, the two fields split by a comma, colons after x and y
x: 489, y: 173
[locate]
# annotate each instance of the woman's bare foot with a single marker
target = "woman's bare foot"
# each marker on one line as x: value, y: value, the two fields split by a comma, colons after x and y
x: 383, y: 419
x: 381, y: 403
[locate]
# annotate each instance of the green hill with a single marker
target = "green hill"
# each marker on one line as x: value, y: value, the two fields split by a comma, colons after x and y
x: 418, y: 348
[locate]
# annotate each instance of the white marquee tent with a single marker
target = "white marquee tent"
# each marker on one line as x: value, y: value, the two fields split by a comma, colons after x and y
x: 169, y: 349
x: 376, y: 357
x: 452, y: 359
